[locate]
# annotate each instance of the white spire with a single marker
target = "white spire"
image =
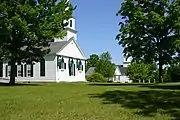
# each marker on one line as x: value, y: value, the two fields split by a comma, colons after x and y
x: 70, y: 29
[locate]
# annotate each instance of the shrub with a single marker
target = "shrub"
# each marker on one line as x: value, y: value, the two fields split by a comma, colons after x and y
x: 96, y: 77
x: 174, y: 73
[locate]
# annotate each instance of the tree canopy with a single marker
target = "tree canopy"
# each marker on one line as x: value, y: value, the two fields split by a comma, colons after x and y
x: 106, y: 56
x: 28, y: 26
x: 105, y: 66
x: 92, y: 61
x: 102, y: 64
x: 149, y: 29
x: 141, y: 71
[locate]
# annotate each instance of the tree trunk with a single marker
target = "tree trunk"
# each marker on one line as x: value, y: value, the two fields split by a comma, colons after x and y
x: 149, y: 81
x: 154, y: 80
x: 139, y: 81
x: 161, y: 61
x: 160, y: 72
x: 13, y: 73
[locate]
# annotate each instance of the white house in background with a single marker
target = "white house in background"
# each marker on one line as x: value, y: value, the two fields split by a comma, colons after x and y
x: 65, y: 62
x: 120, y: 74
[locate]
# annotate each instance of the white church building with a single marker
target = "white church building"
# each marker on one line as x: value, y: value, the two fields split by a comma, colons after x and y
x: 65, y: 62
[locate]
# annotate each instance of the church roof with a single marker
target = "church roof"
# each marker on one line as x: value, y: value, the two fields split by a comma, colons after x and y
x: 90, y: 71
x: 122, y: 69
x: 57, y: 46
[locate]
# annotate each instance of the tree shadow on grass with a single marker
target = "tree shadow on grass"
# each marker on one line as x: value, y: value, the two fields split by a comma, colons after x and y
x: 175, y: 86
x: 21, y: 84
x: 149, y: 103
x: 118, y: 84
x: 170, y: 87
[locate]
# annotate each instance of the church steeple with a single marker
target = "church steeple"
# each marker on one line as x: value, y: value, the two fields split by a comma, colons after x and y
x: 70, y: 30
x: 71, y: 24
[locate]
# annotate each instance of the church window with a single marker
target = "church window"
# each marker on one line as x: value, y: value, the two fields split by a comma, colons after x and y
x: 9, y: 70
x: 28, y: 70
x: 79, y: 65
x: 19, y: 69
x: 60, y: 62
x: 72, y: 67
x: 19, y: 73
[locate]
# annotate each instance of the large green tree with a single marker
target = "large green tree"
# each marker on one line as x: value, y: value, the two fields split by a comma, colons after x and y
x: 92, y: 61
x: 106, y: 56
x: 28, y: 26
x: 149, y: 29
x: 141, y: 72
x: 105, y: 66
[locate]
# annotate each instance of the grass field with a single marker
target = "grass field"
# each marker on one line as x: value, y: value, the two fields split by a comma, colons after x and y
x: 80, y: 101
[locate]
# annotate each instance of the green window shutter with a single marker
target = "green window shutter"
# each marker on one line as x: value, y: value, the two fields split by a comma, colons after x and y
x: 58, y: 61
x: 62, y: 63
x: 74, y: 70
x: 77, y: 63
x: 31, y: 70
x: 6, y: 70
x: 25, y: 70
x: 82, y: 67
x: 69, y: 65
x: 62, y: 60
x: 21, y: 70
x: 70, y: 62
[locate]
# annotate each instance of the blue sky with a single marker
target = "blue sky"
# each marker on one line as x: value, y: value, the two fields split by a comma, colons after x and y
x: 97, y: 26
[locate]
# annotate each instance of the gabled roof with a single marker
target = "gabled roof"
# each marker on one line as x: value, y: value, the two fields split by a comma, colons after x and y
x: 90, y: 71
x: 123, y: 70
x: 56, y: 47
x: 79, y: 48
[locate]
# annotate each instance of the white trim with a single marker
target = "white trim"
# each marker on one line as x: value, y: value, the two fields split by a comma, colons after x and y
x: 80, y: 50
x: 73, y: 39
x: 71, y: 57
x: 65, y: 45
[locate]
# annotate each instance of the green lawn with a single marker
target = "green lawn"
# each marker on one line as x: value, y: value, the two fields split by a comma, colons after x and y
x: 80, y: 101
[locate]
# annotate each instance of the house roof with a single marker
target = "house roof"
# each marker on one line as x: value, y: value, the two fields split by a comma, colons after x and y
x: 123, y: 70
x: 90, y: 71
x: 58, y: 46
